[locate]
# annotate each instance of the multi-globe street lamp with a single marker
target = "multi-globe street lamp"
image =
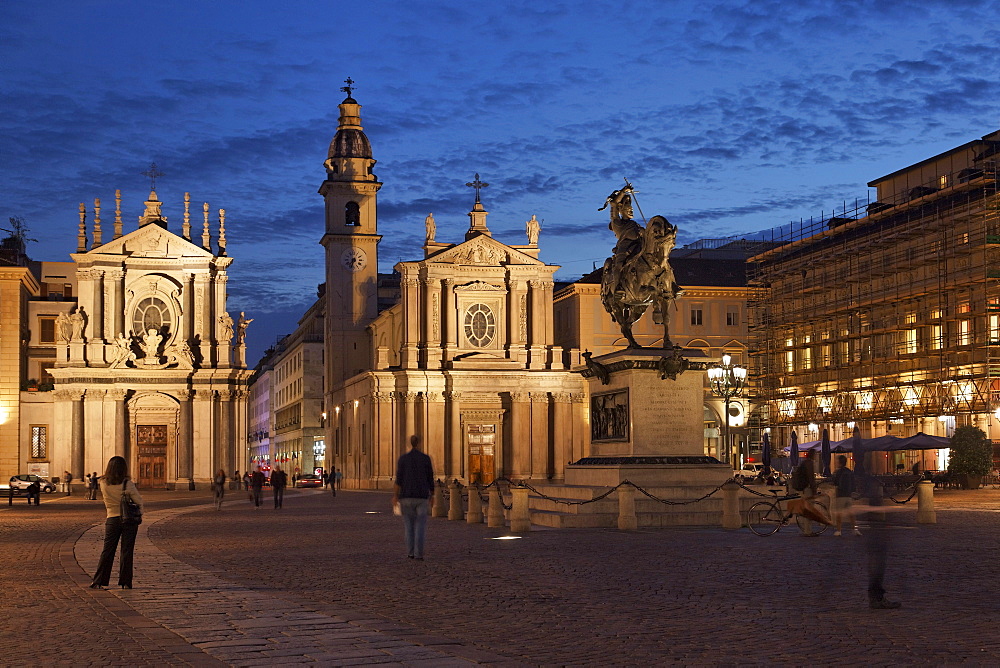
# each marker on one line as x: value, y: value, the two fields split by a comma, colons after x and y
x: 727, y: 380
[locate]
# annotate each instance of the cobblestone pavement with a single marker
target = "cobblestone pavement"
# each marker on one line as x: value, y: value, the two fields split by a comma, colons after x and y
x: 325, y: 580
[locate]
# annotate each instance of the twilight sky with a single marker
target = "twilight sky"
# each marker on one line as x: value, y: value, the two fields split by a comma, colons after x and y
x: 728, y: 116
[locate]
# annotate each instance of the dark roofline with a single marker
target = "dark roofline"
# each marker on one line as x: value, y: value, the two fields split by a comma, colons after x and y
x: 964, y: 147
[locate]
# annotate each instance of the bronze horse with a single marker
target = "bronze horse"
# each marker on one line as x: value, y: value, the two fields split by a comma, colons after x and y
x: 638, y: 274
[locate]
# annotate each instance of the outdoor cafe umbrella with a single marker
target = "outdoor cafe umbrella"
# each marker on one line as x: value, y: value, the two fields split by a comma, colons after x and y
x: 765, y: 453
x: 793, y: 452
x: 825, y: 452
x: 920, y: 441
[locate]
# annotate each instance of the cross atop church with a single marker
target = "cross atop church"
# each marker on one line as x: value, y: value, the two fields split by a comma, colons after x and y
x: 152, y: 174
x: 478, y: 185
x: 349, y: 88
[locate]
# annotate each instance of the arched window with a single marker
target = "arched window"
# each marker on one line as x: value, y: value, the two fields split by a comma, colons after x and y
x: 151, y: 313
x: 352, y: 214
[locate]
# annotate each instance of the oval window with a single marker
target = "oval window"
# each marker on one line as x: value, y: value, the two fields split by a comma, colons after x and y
x: 151, y: 313
x: 480, y: 325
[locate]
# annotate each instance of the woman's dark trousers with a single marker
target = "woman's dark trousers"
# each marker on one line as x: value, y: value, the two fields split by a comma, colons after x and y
x: 115, y: 529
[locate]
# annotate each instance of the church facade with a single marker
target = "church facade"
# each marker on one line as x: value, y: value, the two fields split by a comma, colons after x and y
x: 144, y: 359
x: 466, y: 358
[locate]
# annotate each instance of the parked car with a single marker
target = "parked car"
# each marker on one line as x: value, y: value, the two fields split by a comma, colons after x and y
x: 21, y: 482
x: 309, y: 480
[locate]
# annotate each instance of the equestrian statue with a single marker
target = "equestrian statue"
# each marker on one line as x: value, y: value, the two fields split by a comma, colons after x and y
x: 638, y: 273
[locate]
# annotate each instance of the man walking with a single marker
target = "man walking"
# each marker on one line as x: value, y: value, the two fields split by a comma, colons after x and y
x: 256, y: 486
x: 413, y: 487
x: 279, y: 479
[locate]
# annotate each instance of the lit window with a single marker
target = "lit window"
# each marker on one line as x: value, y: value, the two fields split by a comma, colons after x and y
x: 964, y: 332
x: 39, y: 442
x: 937, y: 337
x: 480, y: 325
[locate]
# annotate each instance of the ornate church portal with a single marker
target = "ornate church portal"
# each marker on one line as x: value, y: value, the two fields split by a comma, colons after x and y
x: 150, y: 365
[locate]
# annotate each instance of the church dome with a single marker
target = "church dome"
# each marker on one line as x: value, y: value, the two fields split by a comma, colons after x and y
x: 350, y: 143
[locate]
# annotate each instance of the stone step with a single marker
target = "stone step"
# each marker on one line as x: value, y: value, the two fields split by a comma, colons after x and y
x: 689, y: 518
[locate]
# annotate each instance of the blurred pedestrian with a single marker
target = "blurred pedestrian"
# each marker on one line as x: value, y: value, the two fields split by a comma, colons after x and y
x: 877, y: 535
x: 413, y: 487
x: 326, y: 479
x: 114, y: 484
x: 256, y: 487
x: 840, y: 506
x: 34, y: 491
x: 219, y: 488
x: 279, y: 480
x: 237, y: 480
x: 92, y: 485
x: 67, y: 482
x: 337, y: 477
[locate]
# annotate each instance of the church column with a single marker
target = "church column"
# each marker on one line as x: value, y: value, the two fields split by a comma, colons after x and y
x: 450, y: 316
x: 203, y: 421
x: 95, y: 319
x: 550, y: 329
x: 120, y: 418
x: 561, y: 433
x: 185, y: 444
x: 76, y: 436
x: 520, y: 435
x: 453, y: 467
x: 432, y: 323
x: 116, y: 303
x: 540, y: 463
x: 187, y: 303
x: 411, y: 324
x: 224, y: 445
x: 223, y: 350
x: 383, y: 441
x: 433, y: 432
x: 204, y: 331
x: 95, y: 432
x: 409, y: 418
x: 536, y: 326
x: 580, y: 422
x: 517, y: 323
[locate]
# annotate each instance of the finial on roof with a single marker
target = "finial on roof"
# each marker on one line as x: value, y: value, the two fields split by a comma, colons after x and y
x: 81, y: 235
x: 349, y: 88
x: 97, y: 223
x: 206, y: 238
x: 186, y: 226
x: 222, y: 231
x: 118, y: 213
x: 152, y: 174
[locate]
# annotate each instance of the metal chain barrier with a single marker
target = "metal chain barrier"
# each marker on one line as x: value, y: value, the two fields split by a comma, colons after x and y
x: 912, y: 494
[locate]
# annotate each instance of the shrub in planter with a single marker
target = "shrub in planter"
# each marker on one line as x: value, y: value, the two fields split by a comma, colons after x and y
x: 971, y: 456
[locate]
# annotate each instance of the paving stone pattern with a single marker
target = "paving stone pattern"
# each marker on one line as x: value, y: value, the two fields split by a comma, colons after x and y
x: 325, y: 581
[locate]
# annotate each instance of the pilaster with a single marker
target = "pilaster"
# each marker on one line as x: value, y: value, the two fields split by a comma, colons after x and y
x: 520, y: 434
x: 433, y: 431
x: 411, y: 324
x: 540, y: 458
x: 453, y: 464
x: 432, y: 323
x: 536, y: 328
x: 450, y: 317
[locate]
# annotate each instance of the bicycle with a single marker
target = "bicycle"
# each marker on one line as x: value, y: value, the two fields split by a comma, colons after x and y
x: 766, y: 517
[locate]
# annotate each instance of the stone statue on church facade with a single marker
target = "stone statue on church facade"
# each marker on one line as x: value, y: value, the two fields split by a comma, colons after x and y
x: 77, y: 323
x: 225, y: 329
x: 430, y: 227
x: 64, y: 328
x: 151, y: 346
x: 532, y: 228
x: 241, y: 328
x: 638, y: 274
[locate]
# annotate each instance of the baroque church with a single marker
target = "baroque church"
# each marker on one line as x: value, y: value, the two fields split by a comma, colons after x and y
x: 465, y: 358
x: 145, y: 361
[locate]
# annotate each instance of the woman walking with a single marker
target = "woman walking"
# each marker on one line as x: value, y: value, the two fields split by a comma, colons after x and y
x: 219, y: 487
x: 114, y: 483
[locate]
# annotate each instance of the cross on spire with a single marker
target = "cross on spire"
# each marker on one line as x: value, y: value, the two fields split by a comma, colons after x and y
x: 152, y: 174
x: 478, y: 185
x: 349, y: 88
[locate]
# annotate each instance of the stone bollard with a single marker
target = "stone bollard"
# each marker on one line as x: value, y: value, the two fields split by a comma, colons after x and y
x: 731, y: 506
x: 520, y: 519
x: 626, y: 509
x: 494, y: 517
x: 925, y: 503
x: 475, y: 514
x: 455, y: 511
x: 439, y: 509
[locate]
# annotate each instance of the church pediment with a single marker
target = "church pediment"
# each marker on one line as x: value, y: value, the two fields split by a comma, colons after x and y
x: 149, y: 241
x: 483, y: 251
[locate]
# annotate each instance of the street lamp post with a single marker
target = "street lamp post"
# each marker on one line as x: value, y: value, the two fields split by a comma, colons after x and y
x: 727, y: 381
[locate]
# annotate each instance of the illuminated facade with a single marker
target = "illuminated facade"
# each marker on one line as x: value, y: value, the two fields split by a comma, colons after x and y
x: 888, y: 315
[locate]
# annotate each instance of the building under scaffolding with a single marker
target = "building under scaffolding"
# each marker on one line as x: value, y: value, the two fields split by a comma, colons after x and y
x: 886, y: 315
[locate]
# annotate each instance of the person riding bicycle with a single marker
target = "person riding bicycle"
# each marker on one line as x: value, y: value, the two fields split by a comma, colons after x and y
x: 804, y: 482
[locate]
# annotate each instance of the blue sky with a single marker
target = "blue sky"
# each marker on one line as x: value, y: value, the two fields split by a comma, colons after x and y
x: 729, y: 117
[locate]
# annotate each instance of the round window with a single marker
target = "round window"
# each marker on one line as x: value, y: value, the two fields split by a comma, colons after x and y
x: 480, y: 325
x: 151, y: 313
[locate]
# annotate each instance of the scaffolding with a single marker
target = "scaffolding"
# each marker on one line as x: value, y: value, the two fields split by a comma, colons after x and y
x: 886, y: 312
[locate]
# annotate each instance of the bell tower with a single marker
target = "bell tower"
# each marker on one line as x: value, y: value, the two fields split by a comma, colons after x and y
x: 351, y: 242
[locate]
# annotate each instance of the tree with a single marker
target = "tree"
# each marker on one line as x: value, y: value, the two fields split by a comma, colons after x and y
x: 971, y: 452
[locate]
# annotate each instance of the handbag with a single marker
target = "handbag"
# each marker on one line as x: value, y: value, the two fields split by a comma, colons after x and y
x: 130, y: 511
